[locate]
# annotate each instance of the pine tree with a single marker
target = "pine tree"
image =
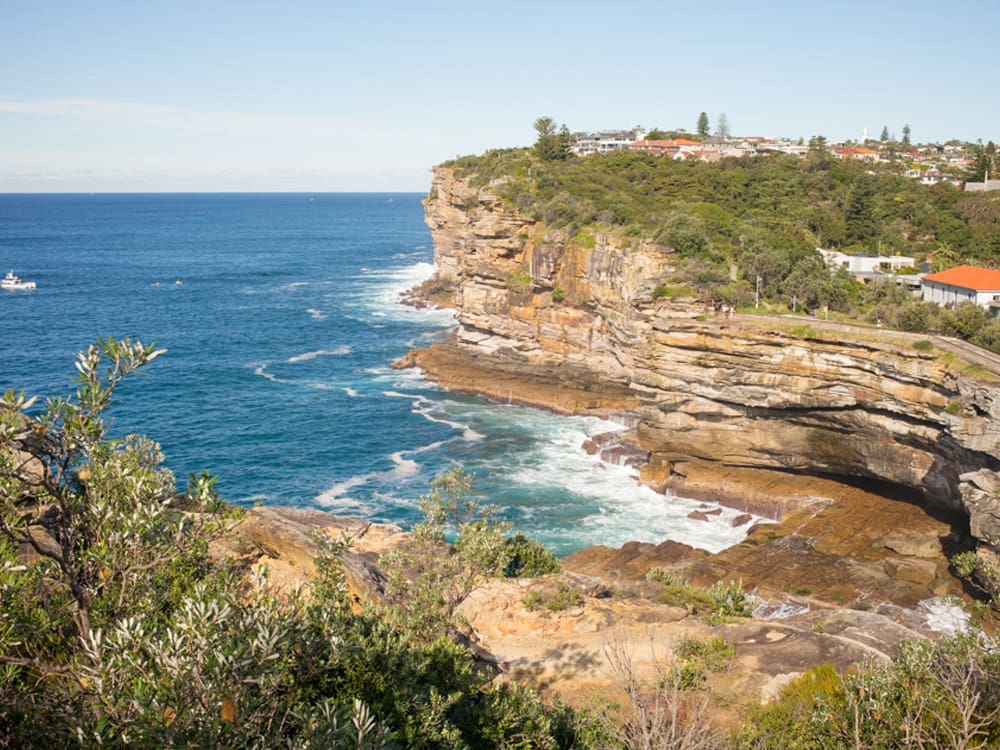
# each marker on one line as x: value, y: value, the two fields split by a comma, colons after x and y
x: 722, y: 127
x: 861, y: 218
x: 885, y: 134
x: 702, y: 128
x: 906, y: 135
x: 553, y: 142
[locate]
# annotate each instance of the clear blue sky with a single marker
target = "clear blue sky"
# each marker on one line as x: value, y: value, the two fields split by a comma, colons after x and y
x: 219, y: 95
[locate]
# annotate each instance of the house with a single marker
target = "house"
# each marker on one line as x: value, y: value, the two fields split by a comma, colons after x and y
x: 654, y: 147
x: 865, y: 264
x: 960, y: 284
x: 982, y: 187
x: 859, y: 152
x: 605, y: 141
x: 669, y: 147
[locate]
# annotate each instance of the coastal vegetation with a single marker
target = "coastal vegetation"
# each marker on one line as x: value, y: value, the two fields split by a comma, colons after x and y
x: 119, y: 627
x: 745, y: 230
x: 124, y: 622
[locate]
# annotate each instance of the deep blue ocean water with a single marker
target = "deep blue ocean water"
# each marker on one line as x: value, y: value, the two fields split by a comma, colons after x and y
x: 281, y: 315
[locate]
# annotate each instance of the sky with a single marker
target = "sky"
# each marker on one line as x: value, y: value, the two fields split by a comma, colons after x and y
x: 367, y: 96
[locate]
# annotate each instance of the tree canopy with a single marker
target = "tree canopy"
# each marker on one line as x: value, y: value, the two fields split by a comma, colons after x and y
x: 553, y: 141
x: 702, y: 126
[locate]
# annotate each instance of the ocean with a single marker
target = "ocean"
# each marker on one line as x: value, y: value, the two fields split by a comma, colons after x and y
x: 281, y: 314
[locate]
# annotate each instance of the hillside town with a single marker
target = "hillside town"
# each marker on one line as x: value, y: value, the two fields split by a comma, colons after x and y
x: 933, y: 163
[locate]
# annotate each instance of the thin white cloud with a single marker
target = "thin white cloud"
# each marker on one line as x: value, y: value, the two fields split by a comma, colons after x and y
x: 176, y: 118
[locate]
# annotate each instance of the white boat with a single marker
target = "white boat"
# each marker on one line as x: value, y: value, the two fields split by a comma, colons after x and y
x: 12, y: 283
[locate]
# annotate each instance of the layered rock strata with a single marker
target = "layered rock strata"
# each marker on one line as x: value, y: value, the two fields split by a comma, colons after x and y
x: 584, y: 324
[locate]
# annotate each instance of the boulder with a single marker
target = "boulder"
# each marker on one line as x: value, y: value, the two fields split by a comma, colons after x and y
x: 927, y: 546
x: 914, y: 571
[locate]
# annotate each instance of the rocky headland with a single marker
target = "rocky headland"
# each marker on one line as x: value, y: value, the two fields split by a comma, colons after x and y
x: 875, y: 459
x: 575, y: 324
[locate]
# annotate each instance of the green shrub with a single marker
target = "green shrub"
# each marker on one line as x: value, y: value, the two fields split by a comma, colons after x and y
x: 923, y: 345
x: 801, y: 718
x: 662, y: 575
x: 527, y: 558
x: 731, y: 600
x: 981, y: 572
x: 565, y: 597
x: 713, y: 654
x: 558, y: 294
x: 532, y: 600
x: 954, y: 408
x: 585, y: 238
x: 935, y: 694
x: 520, y: 279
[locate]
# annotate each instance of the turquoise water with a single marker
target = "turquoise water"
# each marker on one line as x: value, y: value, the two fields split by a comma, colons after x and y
x: 279, y: 337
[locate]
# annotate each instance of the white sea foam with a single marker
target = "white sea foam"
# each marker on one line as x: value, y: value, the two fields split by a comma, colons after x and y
x: 396, y: 394
x: 335, y: 491
x: 351, y: 392
x: 316, y: 314
x: 402, y: 468
x: 296, y: 284
x: 340, y: 350
x: 405, y: 467
x: 261, y: 370
x: 385, y: 301
x: 555, y: 460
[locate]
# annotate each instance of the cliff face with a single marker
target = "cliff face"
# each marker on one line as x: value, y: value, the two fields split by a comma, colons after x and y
x: 537, y: 306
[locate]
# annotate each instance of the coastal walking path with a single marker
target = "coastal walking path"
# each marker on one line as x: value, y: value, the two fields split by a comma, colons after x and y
x: 961, y: 349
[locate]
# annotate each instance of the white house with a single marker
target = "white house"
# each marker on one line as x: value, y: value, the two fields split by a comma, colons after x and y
x: 963, y: 284
x: 858, y: 264
x: 605, y: 141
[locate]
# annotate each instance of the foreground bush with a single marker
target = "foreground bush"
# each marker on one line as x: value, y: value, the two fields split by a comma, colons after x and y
x: 934, y: 695
x: 118, y: 629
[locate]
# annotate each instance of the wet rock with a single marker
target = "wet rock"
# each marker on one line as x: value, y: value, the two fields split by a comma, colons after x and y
x: 698, y: 515
x: 741, y: 520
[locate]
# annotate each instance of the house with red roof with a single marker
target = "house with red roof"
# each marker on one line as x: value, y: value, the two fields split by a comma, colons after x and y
x: 858, y: 152
x: 960, y: 284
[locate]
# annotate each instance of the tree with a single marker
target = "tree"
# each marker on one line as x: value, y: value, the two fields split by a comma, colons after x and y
x: 722, y: 126
x: 906, y: 135
x: 885, y: 134
x: 980, y: 164
x: 861, y: 220
x: 100, y: 511
x: 427, y: 578
x: 553, y: 142
x: 818, y: 153
x: 702, y: 127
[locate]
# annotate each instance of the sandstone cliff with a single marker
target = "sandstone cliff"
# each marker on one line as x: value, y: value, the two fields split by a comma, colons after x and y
x: 573, y: 323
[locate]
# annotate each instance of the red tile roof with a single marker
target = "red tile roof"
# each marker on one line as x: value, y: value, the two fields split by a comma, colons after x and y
x: 968, y: 277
